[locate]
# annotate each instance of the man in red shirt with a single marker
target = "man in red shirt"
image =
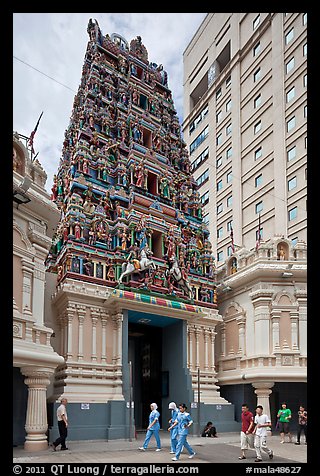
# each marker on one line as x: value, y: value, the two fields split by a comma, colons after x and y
x: 247, y: 426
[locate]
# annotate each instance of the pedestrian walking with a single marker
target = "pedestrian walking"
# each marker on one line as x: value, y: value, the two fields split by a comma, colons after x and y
x: 174, y: 432
x: 284, y: 415
x: 62, y: 418
x: 302, y: 422
x: 262, y: 422
x: 183, y: 421
x: 153, y: 428
x: 247, y: 426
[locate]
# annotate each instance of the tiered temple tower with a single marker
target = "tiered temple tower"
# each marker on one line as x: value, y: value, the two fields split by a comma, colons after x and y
x: 135, y: 304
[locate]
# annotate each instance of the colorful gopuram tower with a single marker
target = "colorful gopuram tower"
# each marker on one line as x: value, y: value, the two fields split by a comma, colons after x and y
x: 134, y: 307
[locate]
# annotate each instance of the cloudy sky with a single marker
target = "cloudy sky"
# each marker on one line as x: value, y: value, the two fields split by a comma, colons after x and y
x: 54, y: 45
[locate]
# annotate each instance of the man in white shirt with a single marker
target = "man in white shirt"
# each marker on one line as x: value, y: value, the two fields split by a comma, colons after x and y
x: 262, y: 422
x: 62, y: 425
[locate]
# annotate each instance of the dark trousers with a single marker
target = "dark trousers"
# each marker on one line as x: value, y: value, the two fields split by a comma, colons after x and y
x: 300, y: 429
x: 63, y: 432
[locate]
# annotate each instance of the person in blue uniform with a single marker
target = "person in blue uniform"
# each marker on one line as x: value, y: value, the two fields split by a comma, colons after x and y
x: 174, y: 432
x: 153, y: 428
x: 183, y: 421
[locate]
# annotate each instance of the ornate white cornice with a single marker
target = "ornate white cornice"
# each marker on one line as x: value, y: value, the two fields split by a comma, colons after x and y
x: 265, y: 269
x: 86, y: 290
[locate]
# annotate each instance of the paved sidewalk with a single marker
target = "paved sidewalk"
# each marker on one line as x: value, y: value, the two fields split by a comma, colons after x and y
x: 224, y: 449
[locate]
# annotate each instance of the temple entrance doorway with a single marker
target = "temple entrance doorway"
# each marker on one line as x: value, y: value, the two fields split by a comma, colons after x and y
x: 159, y: 364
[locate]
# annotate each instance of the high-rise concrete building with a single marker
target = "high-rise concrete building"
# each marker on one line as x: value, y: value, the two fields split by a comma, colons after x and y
x: 245, y: 124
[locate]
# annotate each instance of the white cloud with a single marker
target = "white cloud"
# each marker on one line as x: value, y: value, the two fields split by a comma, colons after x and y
x: 55, y: 44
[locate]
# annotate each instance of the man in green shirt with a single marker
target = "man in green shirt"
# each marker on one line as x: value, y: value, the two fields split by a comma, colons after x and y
x: 284, y: 415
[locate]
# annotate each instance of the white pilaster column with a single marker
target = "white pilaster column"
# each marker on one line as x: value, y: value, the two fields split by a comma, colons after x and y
x: 275, y: 322
x: 117, y: 352
x: 261, y: 299
x: 94, y: 320
x: 81, y: 310
x: 36, y: 419
x: 301, y: 295
x: 212, y: 339
x: 197, y: 334
x: 206, y: 339
x: 38, y: 283
x: 62, y: 335
x: 27, y: 269
x: 241, y: 325
x: 104, y: 321
x: 294, y: 318
x: 65, y: 326
x: 263, y: 391
x: 223, y: 339
x: 69, y: 318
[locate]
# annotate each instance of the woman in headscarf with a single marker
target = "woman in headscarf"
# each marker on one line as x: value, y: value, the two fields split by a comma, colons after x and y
x: 174, y: 431
x: 153, y: 428
x: 184, y: 421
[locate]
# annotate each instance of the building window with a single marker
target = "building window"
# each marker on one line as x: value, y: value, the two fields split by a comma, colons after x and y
x: 229, y: 177
x: 194, y: 124
x: 202, y: 178
x: 259, y: 207
x: 305, y: 111
x: 228, y: 129
x: 199, y: 160
x: 219, y: 162
x: 292, y: 183
x: 258, y: 153
x: 290, y: 65
x: 219, y: 139
x: 220, y: 256
x: 305, y: 142
x: 291, y: 154
x: 229, y: 225
x: 293, y: 213
x: 229, y: 153
x: 205, y: 198
x: 305, y: 80
x: 294, y: 241
x: 290, y: 94
x: 257, y: 127
x: 206, y: 219
x: 304, y: 19
x: 289, y: 36
x: 305, y: 50
x: 228, y: 81
x: 219, y: 208
x: 256, y: 49
x: 220, y: 232
x: 198, y: 140
x: 258, y: 180
x: 229, y: 201
x: 218, y: 93
x: 229, y: 250
x: 228, y: 105
x: 257, y: 101
x: 291, y: 124
x: 219, y: 185
x: 218, y: 116
x: 257, y: 75
x: 256, y: 22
